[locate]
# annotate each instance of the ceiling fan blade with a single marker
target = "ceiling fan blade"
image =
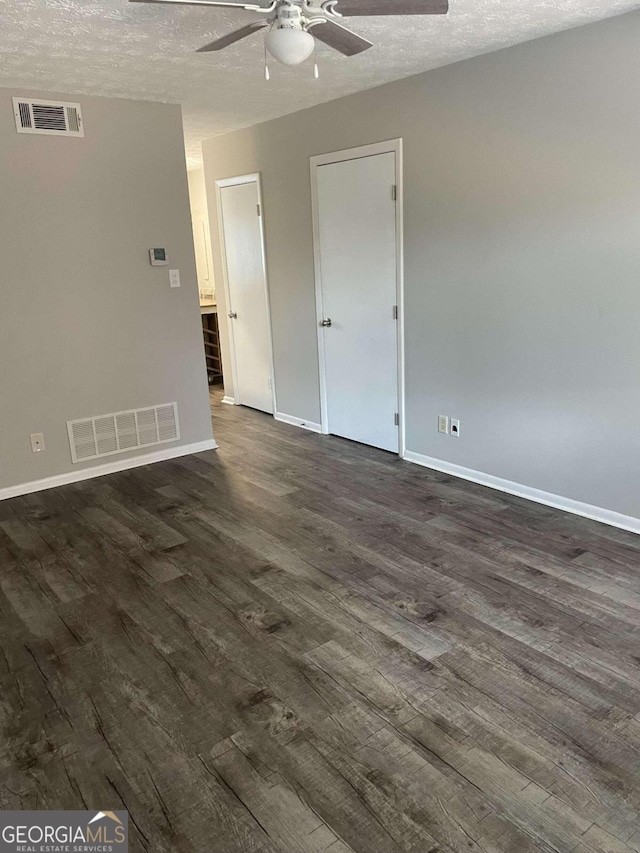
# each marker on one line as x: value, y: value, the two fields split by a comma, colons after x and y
x: 339, y: 38
x: 351, y: 8
x: 231, y: 38
x: 250, y: 7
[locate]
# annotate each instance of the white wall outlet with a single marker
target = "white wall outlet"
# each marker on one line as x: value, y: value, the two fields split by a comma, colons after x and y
x: 443, y: 424
x: 174, y: 278
x: 455, y: 427
x: 37, y: 442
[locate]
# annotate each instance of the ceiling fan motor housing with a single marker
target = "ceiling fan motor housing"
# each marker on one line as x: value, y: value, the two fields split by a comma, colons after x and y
x: 289, y: 17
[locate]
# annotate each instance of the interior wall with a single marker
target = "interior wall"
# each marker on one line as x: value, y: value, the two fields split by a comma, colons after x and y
x: 87, y: 325
x: 522, y: 255
x: 201, y: 234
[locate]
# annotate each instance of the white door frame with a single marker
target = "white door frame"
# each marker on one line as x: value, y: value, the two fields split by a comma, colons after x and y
x: 390, y: 146
x: 234, y: 182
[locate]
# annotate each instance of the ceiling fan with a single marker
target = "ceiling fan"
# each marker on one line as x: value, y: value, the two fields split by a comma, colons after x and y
x: 291, y: 23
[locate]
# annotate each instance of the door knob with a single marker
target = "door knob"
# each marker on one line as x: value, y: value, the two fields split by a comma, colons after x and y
x: 233, y: 315
x: 326, y: 321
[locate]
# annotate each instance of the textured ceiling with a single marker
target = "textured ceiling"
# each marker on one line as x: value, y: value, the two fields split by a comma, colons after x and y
x: 131, y: 50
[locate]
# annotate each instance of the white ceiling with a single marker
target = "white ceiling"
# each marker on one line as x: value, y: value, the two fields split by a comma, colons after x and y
x: 133, y: 50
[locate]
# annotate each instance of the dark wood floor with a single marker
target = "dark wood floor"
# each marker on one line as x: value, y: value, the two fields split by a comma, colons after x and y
x: 300, y: 644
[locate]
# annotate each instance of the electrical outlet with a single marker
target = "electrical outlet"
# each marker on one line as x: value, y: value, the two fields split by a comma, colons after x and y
x: 443, y: 424
x: 455, y: 427
x: 37, y: 442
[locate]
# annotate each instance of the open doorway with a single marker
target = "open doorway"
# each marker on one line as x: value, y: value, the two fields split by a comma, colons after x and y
x: 206, y: 282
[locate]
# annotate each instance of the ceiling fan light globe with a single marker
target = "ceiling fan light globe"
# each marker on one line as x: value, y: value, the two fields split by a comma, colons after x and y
x: 289, y: 46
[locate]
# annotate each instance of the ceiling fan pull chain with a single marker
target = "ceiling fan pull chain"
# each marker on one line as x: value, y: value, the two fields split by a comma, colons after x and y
x: 316, y: 73
x: 266, y: 67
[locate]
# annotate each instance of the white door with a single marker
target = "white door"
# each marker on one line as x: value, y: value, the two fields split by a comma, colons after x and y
x: 247, y: 303
x: 357, y: 266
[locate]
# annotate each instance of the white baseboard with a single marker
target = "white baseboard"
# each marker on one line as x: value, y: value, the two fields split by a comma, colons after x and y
x: 299, y: 422
x: 106, y: 468
x: 596, y: 513
x: 231, y: 401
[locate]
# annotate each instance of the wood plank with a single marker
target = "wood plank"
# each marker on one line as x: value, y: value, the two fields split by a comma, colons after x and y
x: 297, y: 643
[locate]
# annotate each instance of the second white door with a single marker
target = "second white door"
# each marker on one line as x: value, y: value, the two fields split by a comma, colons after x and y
x: 357, y: 273
x: 241, y: 221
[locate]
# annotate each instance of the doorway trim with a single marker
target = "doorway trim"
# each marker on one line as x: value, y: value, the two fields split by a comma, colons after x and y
x: 390, y: 146
x: 235, y: 181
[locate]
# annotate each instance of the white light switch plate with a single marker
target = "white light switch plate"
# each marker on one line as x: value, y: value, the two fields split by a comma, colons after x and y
x: 174, y: 278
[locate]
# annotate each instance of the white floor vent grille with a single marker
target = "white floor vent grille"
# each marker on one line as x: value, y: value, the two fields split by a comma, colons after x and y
x: 91, y: 438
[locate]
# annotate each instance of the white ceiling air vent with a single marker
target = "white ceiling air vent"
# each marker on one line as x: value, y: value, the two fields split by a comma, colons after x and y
x: 55, y: 118
x: 105, y: 435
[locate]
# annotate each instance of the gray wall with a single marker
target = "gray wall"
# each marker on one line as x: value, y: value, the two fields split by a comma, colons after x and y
x: 197, y: 191
x: 522, y: 255
x: 201, y: 232
x: 87, y: 326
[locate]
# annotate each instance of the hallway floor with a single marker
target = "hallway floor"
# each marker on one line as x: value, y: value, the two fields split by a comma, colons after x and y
x: 297, y: 643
